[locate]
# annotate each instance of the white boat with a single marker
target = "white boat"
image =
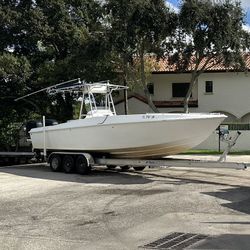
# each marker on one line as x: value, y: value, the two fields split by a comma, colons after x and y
x: 103, y: 132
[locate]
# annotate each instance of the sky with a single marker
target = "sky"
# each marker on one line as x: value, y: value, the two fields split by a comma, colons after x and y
x: 244, y: 3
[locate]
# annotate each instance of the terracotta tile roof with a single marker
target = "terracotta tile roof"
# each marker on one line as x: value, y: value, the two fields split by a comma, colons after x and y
x: 164, y: 66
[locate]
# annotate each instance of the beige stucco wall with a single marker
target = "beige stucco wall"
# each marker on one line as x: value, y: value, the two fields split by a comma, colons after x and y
x: 163, y: 86
x: 212, y: 142
x: 231, y: 92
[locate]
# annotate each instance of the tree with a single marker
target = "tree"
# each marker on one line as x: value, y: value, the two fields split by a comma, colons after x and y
x: 68, y: 29
x: 44, y: 42
x: 138, y: 31
x: 119, y: 36
x: 60, y: 40
x: 209, y: 33
x: 151, y: 23
x: 14, y: 71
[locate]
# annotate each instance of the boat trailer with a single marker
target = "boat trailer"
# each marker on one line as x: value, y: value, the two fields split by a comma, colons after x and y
x: 169, y: 162
x: 82, y: 162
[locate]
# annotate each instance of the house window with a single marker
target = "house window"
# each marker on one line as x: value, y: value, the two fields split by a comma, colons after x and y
x: 150, y: 88
x: 180, y: 89
x: 209, y: 87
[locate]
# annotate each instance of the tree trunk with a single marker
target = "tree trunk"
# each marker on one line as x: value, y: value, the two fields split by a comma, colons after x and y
x: 190, y: 89
x: 143, y: 81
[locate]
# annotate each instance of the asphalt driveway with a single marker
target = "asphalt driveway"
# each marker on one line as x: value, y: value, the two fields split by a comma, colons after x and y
x: 153, y: 209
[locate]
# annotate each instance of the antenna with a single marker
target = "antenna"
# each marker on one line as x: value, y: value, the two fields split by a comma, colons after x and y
x: 78, y: 86
x: 48, y: 88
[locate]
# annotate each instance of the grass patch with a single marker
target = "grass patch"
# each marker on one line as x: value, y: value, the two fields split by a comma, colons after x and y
x: 213, y: 152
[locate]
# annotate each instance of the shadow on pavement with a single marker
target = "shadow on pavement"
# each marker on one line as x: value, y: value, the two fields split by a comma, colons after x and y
x: 99, y: 175
x: 212, y: 173
x: 102, y: 176
x: 225, y: 241
x: 189, y: 179
x: 237, y: 198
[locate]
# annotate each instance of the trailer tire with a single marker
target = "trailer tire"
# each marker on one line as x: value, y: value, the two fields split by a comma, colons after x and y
x: 125, y: 168
x: 55, y: 163
x: 82, y: 165
x: 111, y: 166
x: 139, y: 168
x: 68, y: 164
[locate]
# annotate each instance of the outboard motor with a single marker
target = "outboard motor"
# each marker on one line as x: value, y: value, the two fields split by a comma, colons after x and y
x: 37, y: 123
x: 24, y: 136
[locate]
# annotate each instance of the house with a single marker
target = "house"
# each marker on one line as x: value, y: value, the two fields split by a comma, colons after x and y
x: 219, y: 89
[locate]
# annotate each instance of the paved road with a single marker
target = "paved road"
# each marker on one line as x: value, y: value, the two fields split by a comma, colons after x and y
x: 122, y: 210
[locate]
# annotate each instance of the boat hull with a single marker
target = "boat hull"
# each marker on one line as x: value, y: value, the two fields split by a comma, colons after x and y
x: 132, y: 136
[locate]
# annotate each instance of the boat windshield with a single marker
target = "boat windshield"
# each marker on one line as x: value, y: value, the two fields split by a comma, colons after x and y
x: 95, y: 101
x: 100, y: 101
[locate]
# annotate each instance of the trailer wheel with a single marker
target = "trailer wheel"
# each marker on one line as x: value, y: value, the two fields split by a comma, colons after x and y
x: 125, y: 168
x: 111, y: 166
x: 55, y: 163
x: 139, y: 168
x: 68, y: 164
x: 82, y: 165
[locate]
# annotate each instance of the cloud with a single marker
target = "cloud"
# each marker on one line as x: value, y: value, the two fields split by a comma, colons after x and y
x: 174, y: 3
x: 245, y: 4
x: 172, y: 7
x: 246, y: 27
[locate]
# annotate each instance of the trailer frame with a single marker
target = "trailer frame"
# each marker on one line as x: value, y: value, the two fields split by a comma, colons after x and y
x: 170, y: 162
x: 82, y: 162
x: 15, y: 157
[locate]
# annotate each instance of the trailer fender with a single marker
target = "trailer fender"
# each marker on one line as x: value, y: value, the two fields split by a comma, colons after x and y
x: 89, y: 158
